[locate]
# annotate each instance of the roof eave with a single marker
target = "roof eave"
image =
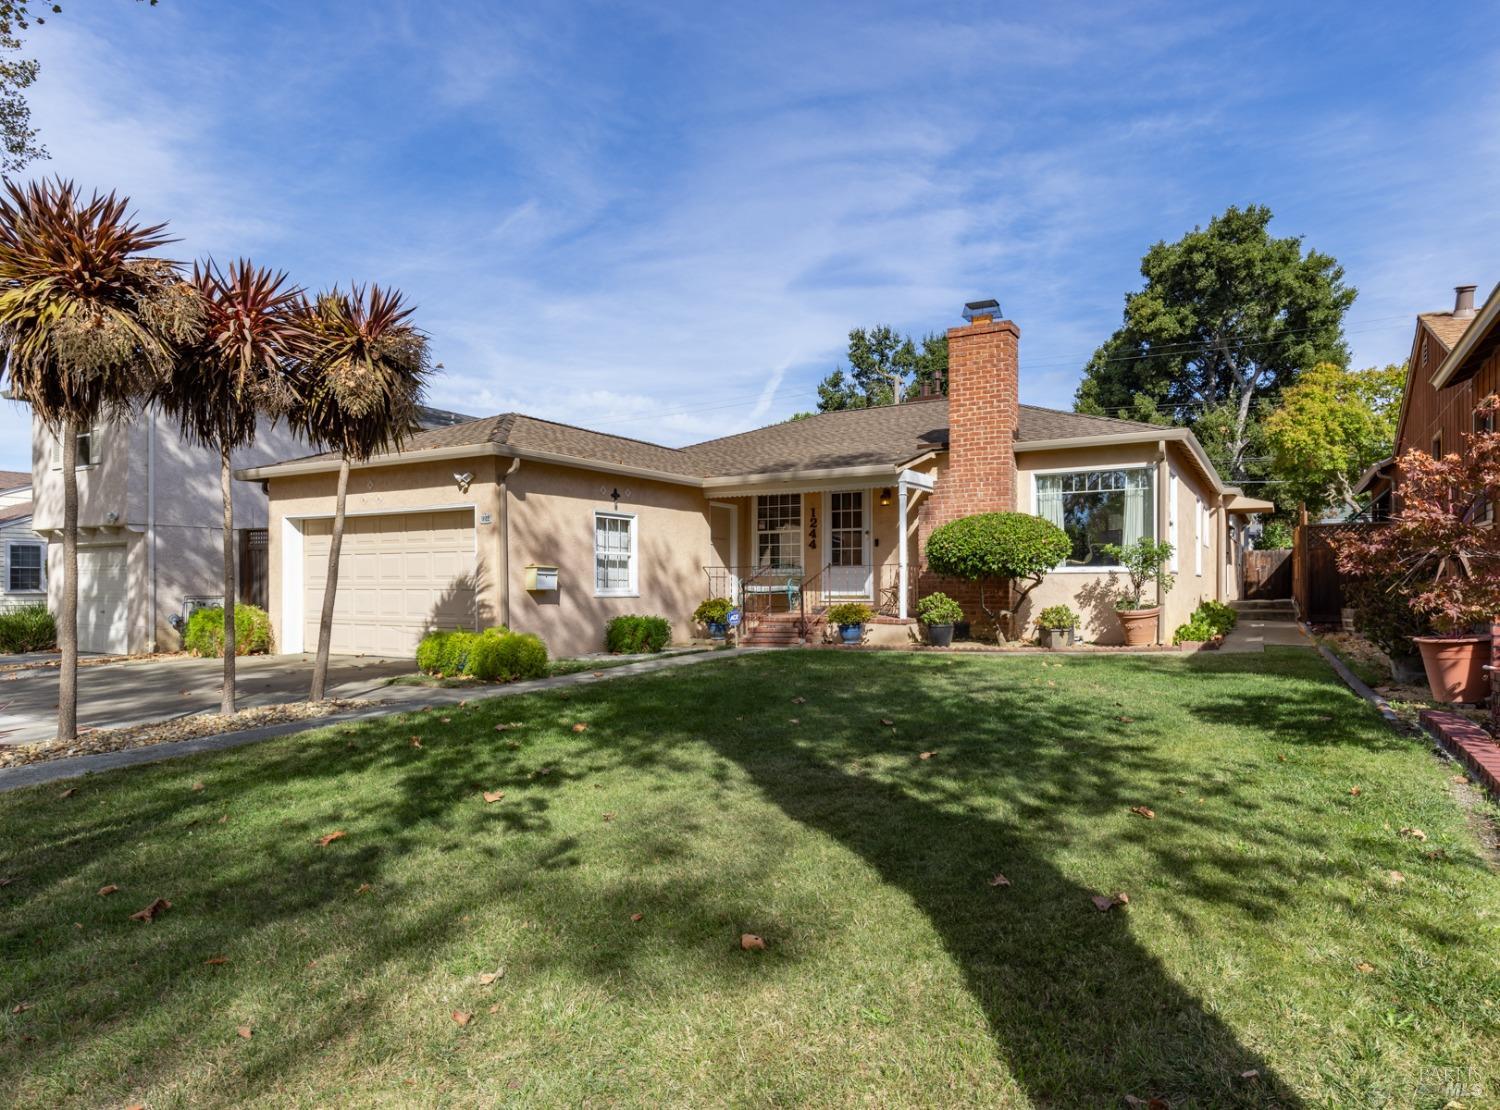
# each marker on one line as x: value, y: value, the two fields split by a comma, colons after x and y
x: 1481, y: 326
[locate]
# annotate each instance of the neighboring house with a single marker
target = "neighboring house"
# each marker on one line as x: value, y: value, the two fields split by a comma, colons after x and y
x: 150, y: 526
x: 1451, y: 369
x: 464, y: 527
x: 23, y: 553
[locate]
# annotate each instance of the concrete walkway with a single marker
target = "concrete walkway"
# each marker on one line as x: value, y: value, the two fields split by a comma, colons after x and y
x: 1262, y: 623
x: 392, y: 699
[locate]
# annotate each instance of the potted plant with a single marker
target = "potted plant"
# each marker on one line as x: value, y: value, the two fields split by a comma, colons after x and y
x: 939, y: 613
x: 713, y: 614
x: 1441, y: 555
x: 1058, y: 624
x: 1144, y: 561
x: 850, y: 618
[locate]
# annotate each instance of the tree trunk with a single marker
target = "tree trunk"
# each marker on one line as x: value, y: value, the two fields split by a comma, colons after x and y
x: 325, y: 622
x: 67, y: 623
x: 226, y: 704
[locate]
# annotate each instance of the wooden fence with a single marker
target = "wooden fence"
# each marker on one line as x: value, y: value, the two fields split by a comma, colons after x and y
x: 1268, y: 575
x: 1315, y: 573
x: 255, y: 567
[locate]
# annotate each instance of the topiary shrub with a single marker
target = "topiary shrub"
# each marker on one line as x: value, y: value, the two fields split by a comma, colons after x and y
x: 27, y: 628
x: 631, y: 634
x: 204, y: 634
x: 499, y: 655
x: 1013, y: 547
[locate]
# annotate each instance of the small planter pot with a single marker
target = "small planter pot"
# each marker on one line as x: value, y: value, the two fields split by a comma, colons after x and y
x: 940, y: 635
x: 1455, y: 666
x: 1057, y: 638
x: 717, y: 630
x: 851, y: 633
x: 1139, y: 626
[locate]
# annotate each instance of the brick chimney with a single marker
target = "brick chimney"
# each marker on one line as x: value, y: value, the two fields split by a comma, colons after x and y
x: 983, y: 409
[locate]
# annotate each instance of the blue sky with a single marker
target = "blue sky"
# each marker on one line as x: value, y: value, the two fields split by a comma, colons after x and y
x: 662, y: 219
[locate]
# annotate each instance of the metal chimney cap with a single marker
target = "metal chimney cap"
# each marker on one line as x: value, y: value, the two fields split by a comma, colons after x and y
x: 1463, y: 301
x: 990, y: 308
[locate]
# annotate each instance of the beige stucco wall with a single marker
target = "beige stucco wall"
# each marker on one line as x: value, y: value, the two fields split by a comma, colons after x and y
x: 1093, y: 594
x: 551, y: 522
x: 133, y: 452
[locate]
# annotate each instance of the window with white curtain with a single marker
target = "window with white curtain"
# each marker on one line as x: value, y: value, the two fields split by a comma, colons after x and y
x: 1098, y: 507
x: 614, y: 555
x: 778, y: 531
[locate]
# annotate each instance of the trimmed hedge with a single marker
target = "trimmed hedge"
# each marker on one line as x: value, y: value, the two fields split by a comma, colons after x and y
x: 204, y: 634
x: 632, y: 634
x: 27, y: 628
x: 494, y: 655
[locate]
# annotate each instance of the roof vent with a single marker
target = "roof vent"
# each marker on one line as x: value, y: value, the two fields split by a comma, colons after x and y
x: 985, y: 310
x: 1463, y: 302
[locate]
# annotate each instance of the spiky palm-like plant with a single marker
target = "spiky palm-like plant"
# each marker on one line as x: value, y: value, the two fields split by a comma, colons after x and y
x: 220, y: 386
x: 362, y: 366
x: 88, y: 324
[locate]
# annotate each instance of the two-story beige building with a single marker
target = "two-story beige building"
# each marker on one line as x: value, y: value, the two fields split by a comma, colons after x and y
x: 554, y: 529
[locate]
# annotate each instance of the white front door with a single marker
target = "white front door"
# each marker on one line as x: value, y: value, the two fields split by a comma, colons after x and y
x: 849, y: 543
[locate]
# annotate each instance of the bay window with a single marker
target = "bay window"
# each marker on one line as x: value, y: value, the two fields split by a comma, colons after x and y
x: 1098, y: 507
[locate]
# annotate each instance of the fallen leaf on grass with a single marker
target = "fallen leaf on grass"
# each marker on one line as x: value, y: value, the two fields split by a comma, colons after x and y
x: 999, y: 880
x: 1354, y: 791
x: 69, y: 792
x: 364, y: 888
x: 749, y: 942
x: 888, y: 722
x: 328, y: 838
x: 1395, y: 878
x: 794, y: 720
x: 1106, y: 902
x: 609, y: 816
x: 149, y: 914
x: 1153, y: 1103
x: 108, y: 888
x: 507, y: 726
x: 197, y: 786
x: 462, y: 1017
x: 491, y: 976
x: 1144, y: 811
x: 493, y: 796
x: 1281, y: 759
x: 216, y: 961
x: 1364, y: 967
x: 1460, y: 778
x: 637, y: 917
x: 1251, y: 1074
x: 244, y: 1031
x: 416, y: 741
x: 7, y: 880
x: 20, y: 1007
x: 1415, y: 834
x: 580, y: 727
x: 926, y: 755
x: 495, y: 1009
x: 799, y: 700
x: 1126, y: 720
x: 1435, y: 853
x: 446, y: 720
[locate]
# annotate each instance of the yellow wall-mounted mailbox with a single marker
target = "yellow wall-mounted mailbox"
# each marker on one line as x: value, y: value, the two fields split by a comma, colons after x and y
x: 540, y: 577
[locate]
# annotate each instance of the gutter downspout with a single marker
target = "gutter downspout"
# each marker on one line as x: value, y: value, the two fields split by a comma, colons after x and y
x: 1221, y: 541
x: 1163, y: 523
x: 151, y: 524
x: 515, y: 465
x: 901, y: 546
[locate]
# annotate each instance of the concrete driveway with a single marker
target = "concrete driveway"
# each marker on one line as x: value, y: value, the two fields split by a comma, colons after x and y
x: 114, y: 694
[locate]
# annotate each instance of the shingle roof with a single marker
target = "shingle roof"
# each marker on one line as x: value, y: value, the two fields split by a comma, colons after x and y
x: 15, y: 512
x: 14, y: 479
x: 1447, y: 329
x: 824, y: 441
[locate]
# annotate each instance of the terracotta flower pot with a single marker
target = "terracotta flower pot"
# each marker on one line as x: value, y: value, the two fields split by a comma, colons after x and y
x: 1139, y: 625
x: 1455, y: 666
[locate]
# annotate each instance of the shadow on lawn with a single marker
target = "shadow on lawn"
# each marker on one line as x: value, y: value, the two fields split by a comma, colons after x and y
x: 1080, y: 1010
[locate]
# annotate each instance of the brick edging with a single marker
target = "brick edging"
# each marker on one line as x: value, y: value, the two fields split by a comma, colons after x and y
x: 1466, y: 742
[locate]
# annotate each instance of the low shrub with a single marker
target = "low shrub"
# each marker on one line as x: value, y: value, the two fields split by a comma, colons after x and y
x: 445, y: 653
x: 430, y: 652
x: 713, y: 611
x: 1057, y: 616
x: 939, y: 608
x: 850, y: 613
x: 631, y: 634
x: 1196, y: 631
x: 499, y: 655
x: 27, y: 628
x: 1210, y: 619
x: 204, y: 634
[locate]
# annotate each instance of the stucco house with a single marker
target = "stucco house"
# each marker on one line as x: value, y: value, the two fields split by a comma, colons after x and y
x: 23, y: 553
x: 553, y: 529
x: 150, y: 526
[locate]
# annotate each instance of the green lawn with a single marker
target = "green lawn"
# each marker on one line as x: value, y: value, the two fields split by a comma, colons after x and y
x: 1265, y: 932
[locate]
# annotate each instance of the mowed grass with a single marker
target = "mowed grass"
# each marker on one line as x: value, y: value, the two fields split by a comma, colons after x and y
x: 1267, y: 955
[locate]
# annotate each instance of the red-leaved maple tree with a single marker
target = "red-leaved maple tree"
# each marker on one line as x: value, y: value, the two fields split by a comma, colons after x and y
x: 1442, y: 549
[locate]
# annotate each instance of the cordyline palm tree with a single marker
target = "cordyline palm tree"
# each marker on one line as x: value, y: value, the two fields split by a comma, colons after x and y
x: 218, y: 387
x: 361, y: 368
x: 88, y: 324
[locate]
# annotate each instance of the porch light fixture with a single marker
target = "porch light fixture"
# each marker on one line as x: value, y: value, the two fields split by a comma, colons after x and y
x: 885, y: 497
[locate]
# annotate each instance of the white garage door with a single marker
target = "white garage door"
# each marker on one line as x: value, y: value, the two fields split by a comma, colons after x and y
x: 399, y: 576
x: 101, y: 600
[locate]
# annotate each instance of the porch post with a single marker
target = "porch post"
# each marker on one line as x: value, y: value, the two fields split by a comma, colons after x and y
x: 901, y: 545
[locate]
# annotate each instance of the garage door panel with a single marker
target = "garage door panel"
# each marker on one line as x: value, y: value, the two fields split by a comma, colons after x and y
x: 102, y: 600
x: 408, y: 573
